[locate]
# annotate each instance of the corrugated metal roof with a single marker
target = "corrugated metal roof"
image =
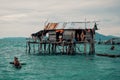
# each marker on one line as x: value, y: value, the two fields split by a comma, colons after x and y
x: 68, y: 25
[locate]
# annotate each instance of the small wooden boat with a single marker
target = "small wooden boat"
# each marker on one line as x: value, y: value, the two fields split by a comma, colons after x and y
x: 109, y: 55
x: 19, y: 66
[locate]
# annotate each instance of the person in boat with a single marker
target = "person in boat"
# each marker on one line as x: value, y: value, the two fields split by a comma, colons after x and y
x: 16, y: 62
x: 112, y: 47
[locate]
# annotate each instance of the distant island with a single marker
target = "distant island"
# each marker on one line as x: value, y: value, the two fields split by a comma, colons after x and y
x: 103, y: 37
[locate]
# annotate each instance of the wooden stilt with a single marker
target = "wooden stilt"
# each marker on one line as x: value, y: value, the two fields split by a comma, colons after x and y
x: 34, y: 47
x: 29, y: 47
x: 85, y: 48
x: 75, y: 48
x: 38, y: 47
x: 63, y: 47
x: 26, y: 46
x: 49, y: 47
x: 52, y: 48
x: 92, y: 47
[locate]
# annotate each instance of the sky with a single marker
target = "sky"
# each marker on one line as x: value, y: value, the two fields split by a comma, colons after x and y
x: 21, y: 18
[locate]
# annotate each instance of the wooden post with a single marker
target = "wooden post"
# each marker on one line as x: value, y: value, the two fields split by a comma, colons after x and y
x: 92, y: 47
x: 66, y: 49
x: 44, y: 48
x: 78, y: 48
x: 55, y: 48
x: 63, y: 46
x: 85, y: 48
x: 70, y: 45
x: 29, y: 47
x: 52, y: 47
x: 26, y: 46
x: 34, y: 47
x: 40, y: 48
x: 49, y: 47
x: 75, y: 48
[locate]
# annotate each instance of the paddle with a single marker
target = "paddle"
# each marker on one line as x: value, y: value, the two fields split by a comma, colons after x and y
x: 20, y: 63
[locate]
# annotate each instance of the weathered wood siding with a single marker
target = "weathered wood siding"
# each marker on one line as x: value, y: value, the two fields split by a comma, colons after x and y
x: 68, y: 35
x: 52, y: 35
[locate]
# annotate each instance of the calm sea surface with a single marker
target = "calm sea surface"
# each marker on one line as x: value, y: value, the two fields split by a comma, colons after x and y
x: 57, y: 67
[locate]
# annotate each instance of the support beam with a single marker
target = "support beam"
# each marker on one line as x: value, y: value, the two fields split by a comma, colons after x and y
x: 85, y: 48
x: 29, y: 47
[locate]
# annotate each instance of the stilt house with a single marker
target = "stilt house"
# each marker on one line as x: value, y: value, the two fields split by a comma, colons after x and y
x: 67, y: 34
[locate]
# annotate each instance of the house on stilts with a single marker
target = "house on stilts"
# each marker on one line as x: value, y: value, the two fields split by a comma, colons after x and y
x: 63, y: 38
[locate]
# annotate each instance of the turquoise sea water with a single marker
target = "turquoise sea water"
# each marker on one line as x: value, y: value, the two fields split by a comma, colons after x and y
x: 57, y: 67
